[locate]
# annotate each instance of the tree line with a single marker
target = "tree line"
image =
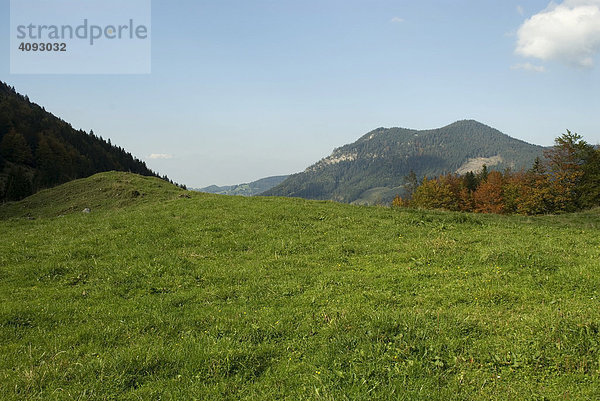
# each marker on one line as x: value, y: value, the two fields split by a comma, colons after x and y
x: 566, y: 179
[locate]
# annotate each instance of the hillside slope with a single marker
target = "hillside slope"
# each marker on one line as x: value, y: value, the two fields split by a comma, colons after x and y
x: 110, y: 190
x: 381, y: 159
x: 229, y: 298
x: 39, y: 150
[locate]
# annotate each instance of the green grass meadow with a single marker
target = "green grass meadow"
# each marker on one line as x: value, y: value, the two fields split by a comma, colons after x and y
x: 163, y: 294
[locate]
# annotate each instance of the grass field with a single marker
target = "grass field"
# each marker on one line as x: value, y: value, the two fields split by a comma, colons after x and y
x: 161, y: 294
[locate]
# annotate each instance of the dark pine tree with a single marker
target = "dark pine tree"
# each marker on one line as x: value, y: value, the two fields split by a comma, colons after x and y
x: 18, y: 184
x: 470, y: 181
x: 14, y: 148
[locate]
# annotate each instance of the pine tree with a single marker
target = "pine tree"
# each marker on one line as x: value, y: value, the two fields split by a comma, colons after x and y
x: 483, y: 174
x: 538, y: 166
x: 47, y: 163
x: 565, y: 170
x: 18, y: 184
x: 411, y: 184
x: 589, y: 186
x: 470, y: 181
x: 14, y: 148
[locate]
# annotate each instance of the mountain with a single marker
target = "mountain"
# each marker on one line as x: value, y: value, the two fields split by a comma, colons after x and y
x: 373, y: 168
x: 39, y: 150
x: 248, y: 189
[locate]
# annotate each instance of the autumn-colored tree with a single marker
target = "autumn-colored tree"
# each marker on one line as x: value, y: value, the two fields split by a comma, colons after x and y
x: 535, y: 195
x: 511, y: 191
x: 465, y: 196
x: 489, y: 195
x: 465, y: 200
x: 398, y: 202
x: 433, y: 194
x: 454, y: 183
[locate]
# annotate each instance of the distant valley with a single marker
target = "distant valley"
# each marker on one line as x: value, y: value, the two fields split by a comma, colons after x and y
x: 247, y: 189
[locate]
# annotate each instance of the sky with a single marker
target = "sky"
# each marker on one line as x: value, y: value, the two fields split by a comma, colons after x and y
x: 245, y: 89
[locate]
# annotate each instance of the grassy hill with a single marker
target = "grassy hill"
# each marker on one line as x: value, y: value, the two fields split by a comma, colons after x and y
x: 165, y: 296
x: 372, y: 169
x: 110, y: 190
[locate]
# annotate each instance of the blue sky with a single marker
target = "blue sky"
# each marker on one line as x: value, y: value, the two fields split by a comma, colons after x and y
x: 241, y: 90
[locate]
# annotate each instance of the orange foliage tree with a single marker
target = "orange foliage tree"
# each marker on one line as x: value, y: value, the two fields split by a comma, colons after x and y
x: 434, y: 194
x: 489, y: 196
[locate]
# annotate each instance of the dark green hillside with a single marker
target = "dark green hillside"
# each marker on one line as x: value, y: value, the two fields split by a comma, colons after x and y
x: 39, y: 150
x: 382, y: 158
x: 177, y: 295
x: 248, y: 189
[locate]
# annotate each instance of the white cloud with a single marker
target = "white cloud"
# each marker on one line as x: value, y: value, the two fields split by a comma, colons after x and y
x: 567, y: 32
x: 520, y: 10
x: 397, y: 20
x: 528, y: 67
x: 160, y: 156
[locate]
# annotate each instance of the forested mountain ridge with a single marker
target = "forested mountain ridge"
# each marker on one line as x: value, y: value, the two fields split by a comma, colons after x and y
x: 377, y: 163
x: 39, y: 150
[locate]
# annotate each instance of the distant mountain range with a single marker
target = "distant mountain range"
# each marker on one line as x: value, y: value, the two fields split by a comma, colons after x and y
x: 248, y: 189
x: 39, y: 150
x: 372, y: 169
